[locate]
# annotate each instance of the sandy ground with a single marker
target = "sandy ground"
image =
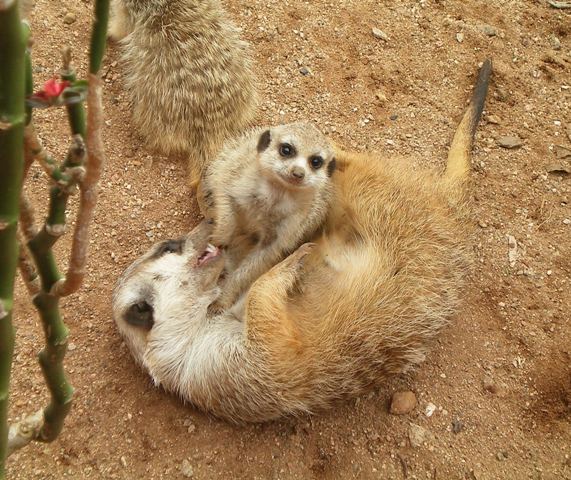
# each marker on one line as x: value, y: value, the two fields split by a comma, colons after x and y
x: 501, y: 373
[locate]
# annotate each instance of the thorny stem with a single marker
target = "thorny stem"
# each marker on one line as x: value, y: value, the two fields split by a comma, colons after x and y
x: 34, y: 427
x: 98, y: 36
x: 12, y: 118
x: 75, y: 111
x: 95, y: 156
x: 88, y: 192
x: 27, y: 269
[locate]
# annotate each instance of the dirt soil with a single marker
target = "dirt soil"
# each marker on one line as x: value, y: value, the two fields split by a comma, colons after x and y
x: 499, y: 377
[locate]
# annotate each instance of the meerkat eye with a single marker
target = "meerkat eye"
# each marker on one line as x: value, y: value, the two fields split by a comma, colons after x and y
x: 170, y: 246
x: 316, y: 162
x: 287, y: 150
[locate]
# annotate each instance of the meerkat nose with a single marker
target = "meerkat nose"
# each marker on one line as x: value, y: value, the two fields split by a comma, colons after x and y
x: 298, y: 172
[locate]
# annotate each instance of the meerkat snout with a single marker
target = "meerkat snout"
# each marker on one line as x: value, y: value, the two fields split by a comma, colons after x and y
x: 297, y: 172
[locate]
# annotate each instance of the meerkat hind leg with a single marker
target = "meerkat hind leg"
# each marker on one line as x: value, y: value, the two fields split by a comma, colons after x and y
x: 269, y: 293
x: 120, y: 23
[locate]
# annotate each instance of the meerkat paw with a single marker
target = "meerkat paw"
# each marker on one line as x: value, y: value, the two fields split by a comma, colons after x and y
x: 218, y: 238
x: 222, y: 303
x: 296, y: 259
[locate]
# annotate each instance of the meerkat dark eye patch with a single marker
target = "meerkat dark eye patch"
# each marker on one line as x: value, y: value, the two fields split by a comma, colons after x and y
x: 140, y: 315
x: 169, y: 246
x: 331, y: 167
x: 264, y: 141
x: 286, y: 150
x: 316, y: 162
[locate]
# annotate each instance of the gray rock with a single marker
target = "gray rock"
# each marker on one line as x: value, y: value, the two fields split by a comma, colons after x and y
x: 418, y: 435
x: 457, y: 425
x: 377, y: 33
x: 510, y: 142
x: 186, y: 469
x: 555, y: 42
x: 502, y: 456
x: 488, y: 30
x: 562, y: 152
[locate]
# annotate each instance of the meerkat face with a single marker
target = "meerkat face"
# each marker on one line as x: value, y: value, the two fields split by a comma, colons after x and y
x: 296, y: 155
x: 174, y: 279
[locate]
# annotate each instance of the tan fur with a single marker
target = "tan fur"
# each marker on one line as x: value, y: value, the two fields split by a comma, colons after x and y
x: 331, y: 320
x: 188, y: 74
x: 261, y: 210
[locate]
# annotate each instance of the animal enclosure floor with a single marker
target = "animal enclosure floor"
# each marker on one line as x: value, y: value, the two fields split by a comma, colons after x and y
x: 501, y: 372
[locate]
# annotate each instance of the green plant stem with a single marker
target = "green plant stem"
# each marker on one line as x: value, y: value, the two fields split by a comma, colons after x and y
x: 12, y: 118
x: 51, y: 361
x: 75, y: 111
x: 29, y: 77
x: 98, y: 36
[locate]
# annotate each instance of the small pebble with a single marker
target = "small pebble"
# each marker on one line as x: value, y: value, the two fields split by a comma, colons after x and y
x: 502, y: 456
x: 403, y: 403
x: 429, y: 409
x: 489, y: 30
x: 460, y: 37
x: 457, y: 426
x: 377, y: 33
x: 490, y: 386
x: 510, y: 142
x: 493, y: 119
x: 69, y: 18
x: 567, y: 221
x: 555, y: 43
x: 305, y: 71
x: 186, y: 469
x: 380, y: 96
x: 418, y: 435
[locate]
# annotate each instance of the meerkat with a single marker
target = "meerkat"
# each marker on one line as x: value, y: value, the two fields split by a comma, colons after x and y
x: 188, y: 74
x: 271, y: 187
x: 336, y: 317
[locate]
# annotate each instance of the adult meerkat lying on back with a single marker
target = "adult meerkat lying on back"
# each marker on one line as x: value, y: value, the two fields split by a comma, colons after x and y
x: 270, y: 189
x: 188, y: 74
x: 332, y: 319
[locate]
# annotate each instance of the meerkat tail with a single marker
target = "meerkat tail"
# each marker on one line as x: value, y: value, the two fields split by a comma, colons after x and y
x: 458, y: 165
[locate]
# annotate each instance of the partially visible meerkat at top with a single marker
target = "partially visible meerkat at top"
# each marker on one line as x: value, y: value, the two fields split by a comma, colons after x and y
x: 188, y: 74
x: 267, y: 192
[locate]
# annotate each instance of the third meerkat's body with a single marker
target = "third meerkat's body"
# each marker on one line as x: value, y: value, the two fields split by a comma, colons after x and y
x: 269, y: 192
x: 188, y: 74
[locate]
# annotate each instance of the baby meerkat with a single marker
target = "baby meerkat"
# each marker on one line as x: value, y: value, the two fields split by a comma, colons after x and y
x: 270, y: 188
x: 188, y: 75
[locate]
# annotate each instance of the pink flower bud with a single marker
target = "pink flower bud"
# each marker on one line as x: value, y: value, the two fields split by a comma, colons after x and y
x: 53, y: 88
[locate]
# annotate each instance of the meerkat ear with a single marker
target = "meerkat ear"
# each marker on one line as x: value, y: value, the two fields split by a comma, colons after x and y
x: 331, y: 167
x: 264, y: 141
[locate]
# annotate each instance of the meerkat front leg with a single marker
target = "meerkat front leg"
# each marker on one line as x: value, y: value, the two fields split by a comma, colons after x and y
x: 254, y: 265
x: 224, y: 221
x: 259, y: 261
